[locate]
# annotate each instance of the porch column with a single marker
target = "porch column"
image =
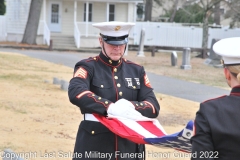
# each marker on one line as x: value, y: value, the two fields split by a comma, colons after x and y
x: 129, y: 10
x: 44, y: 11
x: 107, y: 12
x: 135, y: 12
x: 87, y: 7
x: 75, y: 11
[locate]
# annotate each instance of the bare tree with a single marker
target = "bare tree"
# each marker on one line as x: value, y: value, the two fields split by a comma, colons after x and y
x: 148, y: 10
x: 30, y: 33
x: 208, y: 6
x: 217, y: 14
x: 175, y: 7
x: 234, y: 12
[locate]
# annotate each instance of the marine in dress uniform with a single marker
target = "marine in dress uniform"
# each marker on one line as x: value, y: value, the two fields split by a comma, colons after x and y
x: 217, y: 123
x: 101, y: 85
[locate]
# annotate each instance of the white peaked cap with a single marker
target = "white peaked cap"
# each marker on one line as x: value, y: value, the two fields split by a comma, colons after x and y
x: 114, y: 28
x: 229, y: 49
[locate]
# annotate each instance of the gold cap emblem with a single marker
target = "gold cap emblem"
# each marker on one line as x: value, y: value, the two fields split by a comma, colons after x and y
x: 117, y: 28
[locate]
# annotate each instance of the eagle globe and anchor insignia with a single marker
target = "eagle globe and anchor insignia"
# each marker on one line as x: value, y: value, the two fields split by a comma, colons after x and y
x: 117, y: 28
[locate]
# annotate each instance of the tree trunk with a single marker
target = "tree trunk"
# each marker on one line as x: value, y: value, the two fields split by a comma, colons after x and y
x: 30, y: 33
x: 217, y: 14
x: 205, y: 35
x: 174, y: 11
x: 148, y: 10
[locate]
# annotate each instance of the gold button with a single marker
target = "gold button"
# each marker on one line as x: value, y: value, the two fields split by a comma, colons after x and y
x: 101, y: 86
x: 118, y: 85
x: 115, y: 69
x: 119, y: 61
x: 110, y: 61
x: 99, y: 98
x: 134, y: 87
x: 141, y: 104
x: 93, y: 95
x: 94, y: 58
x: 115, y: 77
x: 136, y: 104
x: 120, y: 93
x: 93, y: 132
x: 106, y: 102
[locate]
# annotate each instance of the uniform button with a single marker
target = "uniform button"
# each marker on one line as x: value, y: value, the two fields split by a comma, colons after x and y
x: 119, y: 61
x: 110, y: 61
x: 94, y: 58
x: 93, y: 95
x: 115, y: 69
x: 136, y: 104
x: 115, y: 77
x: 99, y: 98
x: 118, y: 85
x: 93, y: 132
x: 120, y: 93
x: 134, y: 87
x: 101, y: 86
x: 106, y: 102
x: 141, y: 104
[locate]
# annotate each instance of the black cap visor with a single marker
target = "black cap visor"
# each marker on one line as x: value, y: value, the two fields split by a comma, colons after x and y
x: 117, y: 41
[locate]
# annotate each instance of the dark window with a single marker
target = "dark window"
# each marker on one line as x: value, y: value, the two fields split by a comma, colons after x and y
x: 111, y: 12
x: 89, y: 12
x: 55, y: 13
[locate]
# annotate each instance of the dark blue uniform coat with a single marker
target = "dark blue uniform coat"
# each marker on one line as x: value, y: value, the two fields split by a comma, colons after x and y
x: 217, y: 128
x: 98, y: 82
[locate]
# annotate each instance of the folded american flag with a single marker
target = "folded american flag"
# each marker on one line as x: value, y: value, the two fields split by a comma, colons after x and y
x: 149, y: 131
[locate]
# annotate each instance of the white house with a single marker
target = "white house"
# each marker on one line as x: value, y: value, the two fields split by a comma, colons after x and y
x: 68, y: 22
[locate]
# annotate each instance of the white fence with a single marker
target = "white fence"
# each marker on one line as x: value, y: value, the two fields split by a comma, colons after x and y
x: 167, y: 34
x: 3, y: 29
x: 160, y: 34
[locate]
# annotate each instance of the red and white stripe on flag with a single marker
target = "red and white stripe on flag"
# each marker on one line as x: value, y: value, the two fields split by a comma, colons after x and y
x: 133, y: 130
x: 81, y: 72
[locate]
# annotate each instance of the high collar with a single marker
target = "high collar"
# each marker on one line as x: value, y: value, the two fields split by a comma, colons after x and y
x: 108, y: 61
x: 235, y: 90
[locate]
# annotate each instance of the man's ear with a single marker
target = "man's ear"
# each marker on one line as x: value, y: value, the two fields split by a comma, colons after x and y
x: 227, y: 74
x: 100, y: 40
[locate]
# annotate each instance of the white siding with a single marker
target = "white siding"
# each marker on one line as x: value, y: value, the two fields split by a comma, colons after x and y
x: 131, y: 12
x: 80, y: 11
x: 99, y: 12
x: 17, y: 15
x: 67, y: 17
x: 121, y: 12
x: 3, y: 29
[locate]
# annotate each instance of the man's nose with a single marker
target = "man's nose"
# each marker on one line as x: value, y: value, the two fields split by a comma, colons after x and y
x: 117, y: 47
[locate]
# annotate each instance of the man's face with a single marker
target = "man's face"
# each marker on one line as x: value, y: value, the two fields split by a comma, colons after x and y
x: 112, y: 51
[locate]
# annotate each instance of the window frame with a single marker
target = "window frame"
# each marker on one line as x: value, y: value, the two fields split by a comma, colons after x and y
x: 111, y: 13
x: 90, y: 9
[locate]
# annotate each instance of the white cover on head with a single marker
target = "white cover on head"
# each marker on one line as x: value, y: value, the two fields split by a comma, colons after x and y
x: 114, y: 28
x: 229, y: 49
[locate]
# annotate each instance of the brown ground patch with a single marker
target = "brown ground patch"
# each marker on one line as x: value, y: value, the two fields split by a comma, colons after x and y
x: 37, y: 117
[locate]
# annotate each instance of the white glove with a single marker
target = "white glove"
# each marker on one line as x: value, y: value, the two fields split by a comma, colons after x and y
x: 123, y: 108
x: 124, y: 102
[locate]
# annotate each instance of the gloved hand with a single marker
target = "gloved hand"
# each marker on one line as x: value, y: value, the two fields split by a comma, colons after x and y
x: 123, y: 108
x: 124, y: 102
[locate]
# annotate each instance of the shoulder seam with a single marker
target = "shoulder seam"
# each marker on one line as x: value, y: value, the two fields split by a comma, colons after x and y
x: 214, y: 98
x: 130, y: 62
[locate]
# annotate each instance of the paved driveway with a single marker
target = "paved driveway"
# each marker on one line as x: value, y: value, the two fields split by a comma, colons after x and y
x: 161, y: 84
